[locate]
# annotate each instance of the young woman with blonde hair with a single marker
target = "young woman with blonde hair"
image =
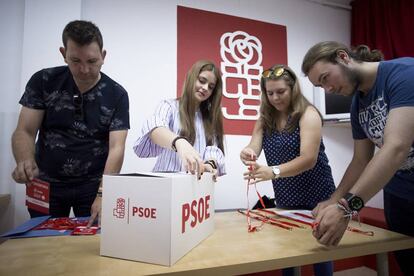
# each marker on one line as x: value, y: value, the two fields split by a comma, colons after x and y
x: 289, y: 131
x: 186, y: 134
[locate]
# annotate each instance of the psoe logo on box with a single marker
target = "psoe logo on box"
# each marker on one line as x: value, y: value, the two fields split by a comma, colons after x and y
x: 198, y: 210
x: 144, y: 212
x: 119, y: 210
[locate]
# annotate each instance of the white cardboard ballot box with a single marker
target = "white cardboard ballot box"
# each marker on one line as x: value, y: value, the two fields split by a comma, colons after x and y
x: 155, y: 217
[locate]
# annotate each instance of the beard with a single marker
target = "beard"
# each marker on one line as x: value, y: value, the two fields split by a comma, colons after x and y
x: 353, y: 78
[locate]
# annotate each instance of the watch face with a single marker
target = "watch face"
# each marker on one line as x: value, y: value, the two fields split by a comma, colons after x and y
x: 356, y: 203
x: 276, y: 171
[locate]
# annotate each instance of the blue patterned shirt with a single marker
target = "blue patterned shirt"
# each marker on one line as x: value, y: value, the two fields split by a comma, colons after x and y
x: 69, y: 149
x: 305, y: 190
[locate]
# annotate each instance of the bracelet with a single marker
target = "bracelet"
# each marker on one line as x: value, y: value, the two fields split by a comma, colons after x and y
x: 174, y: 148
x: 348, y: 213
x: 208, y: 163
x: 212, y: 163
x: 99, y: 194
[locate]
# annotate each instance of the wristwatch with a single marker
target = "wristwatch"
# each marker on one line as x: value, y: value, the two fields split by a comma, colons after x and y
x: 355, y: 203
x: 276, y: 172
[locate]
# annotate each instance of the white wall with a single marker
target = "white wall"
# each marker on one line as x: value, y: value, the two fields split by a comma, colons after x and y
x: 11, y: 29
x: 140, y: 39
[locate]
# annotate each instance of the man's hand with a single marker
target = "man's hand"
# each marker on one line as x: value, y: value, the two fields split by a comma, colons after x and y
x: 331, y: 225
x: 322, y: 205
x: 25, y: 171
x: 96, y: 209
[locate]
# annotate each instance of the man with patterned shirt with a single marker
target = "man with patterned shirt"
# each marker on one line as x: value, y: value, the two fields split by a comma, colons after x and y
x: 81, y: 119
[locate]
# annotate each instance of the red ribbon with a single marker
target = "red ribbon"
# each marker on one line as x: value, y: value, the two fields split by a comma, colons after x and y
x: 250, y: 227
x: 61, y: 224
x: 279, y: 223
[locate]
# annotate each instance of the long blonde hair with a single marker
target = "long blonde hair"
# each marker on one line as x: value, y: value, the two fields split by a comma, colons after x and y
x: 298, y: 103
x: 210, y: 108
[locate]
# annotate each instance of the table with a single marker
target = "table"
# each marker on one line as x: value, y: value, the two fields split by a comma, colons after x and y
x: 231, y: 250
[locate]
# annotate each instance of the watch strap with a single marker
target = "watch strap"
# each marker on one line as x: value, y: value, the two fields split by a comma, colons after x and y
x: 175, y: 140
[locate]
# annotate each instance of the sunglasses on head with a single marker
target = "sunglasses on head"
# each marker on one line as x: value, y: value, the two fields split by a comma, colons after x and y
x: 277, y: 72
x: 78, y: 103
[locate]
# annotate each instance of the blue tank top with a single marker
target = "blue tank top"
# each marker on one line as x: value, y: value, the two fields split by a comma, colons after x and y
x: 303, y: 191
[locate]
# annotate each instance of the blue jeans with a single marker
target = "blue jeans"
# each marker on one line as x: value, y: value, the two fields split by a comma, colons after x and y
x: 399, y: 213
x: 64, y: 196
x: 320, y: 269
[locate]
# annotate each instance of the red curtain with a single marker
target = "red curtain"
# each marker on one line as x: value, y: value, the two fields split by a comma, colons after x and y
x: 386, y: 25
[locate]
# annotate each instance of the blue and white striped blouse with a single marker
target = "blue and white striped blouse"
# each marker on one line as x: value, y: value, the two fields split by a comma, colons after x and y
x: 167, y: 115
